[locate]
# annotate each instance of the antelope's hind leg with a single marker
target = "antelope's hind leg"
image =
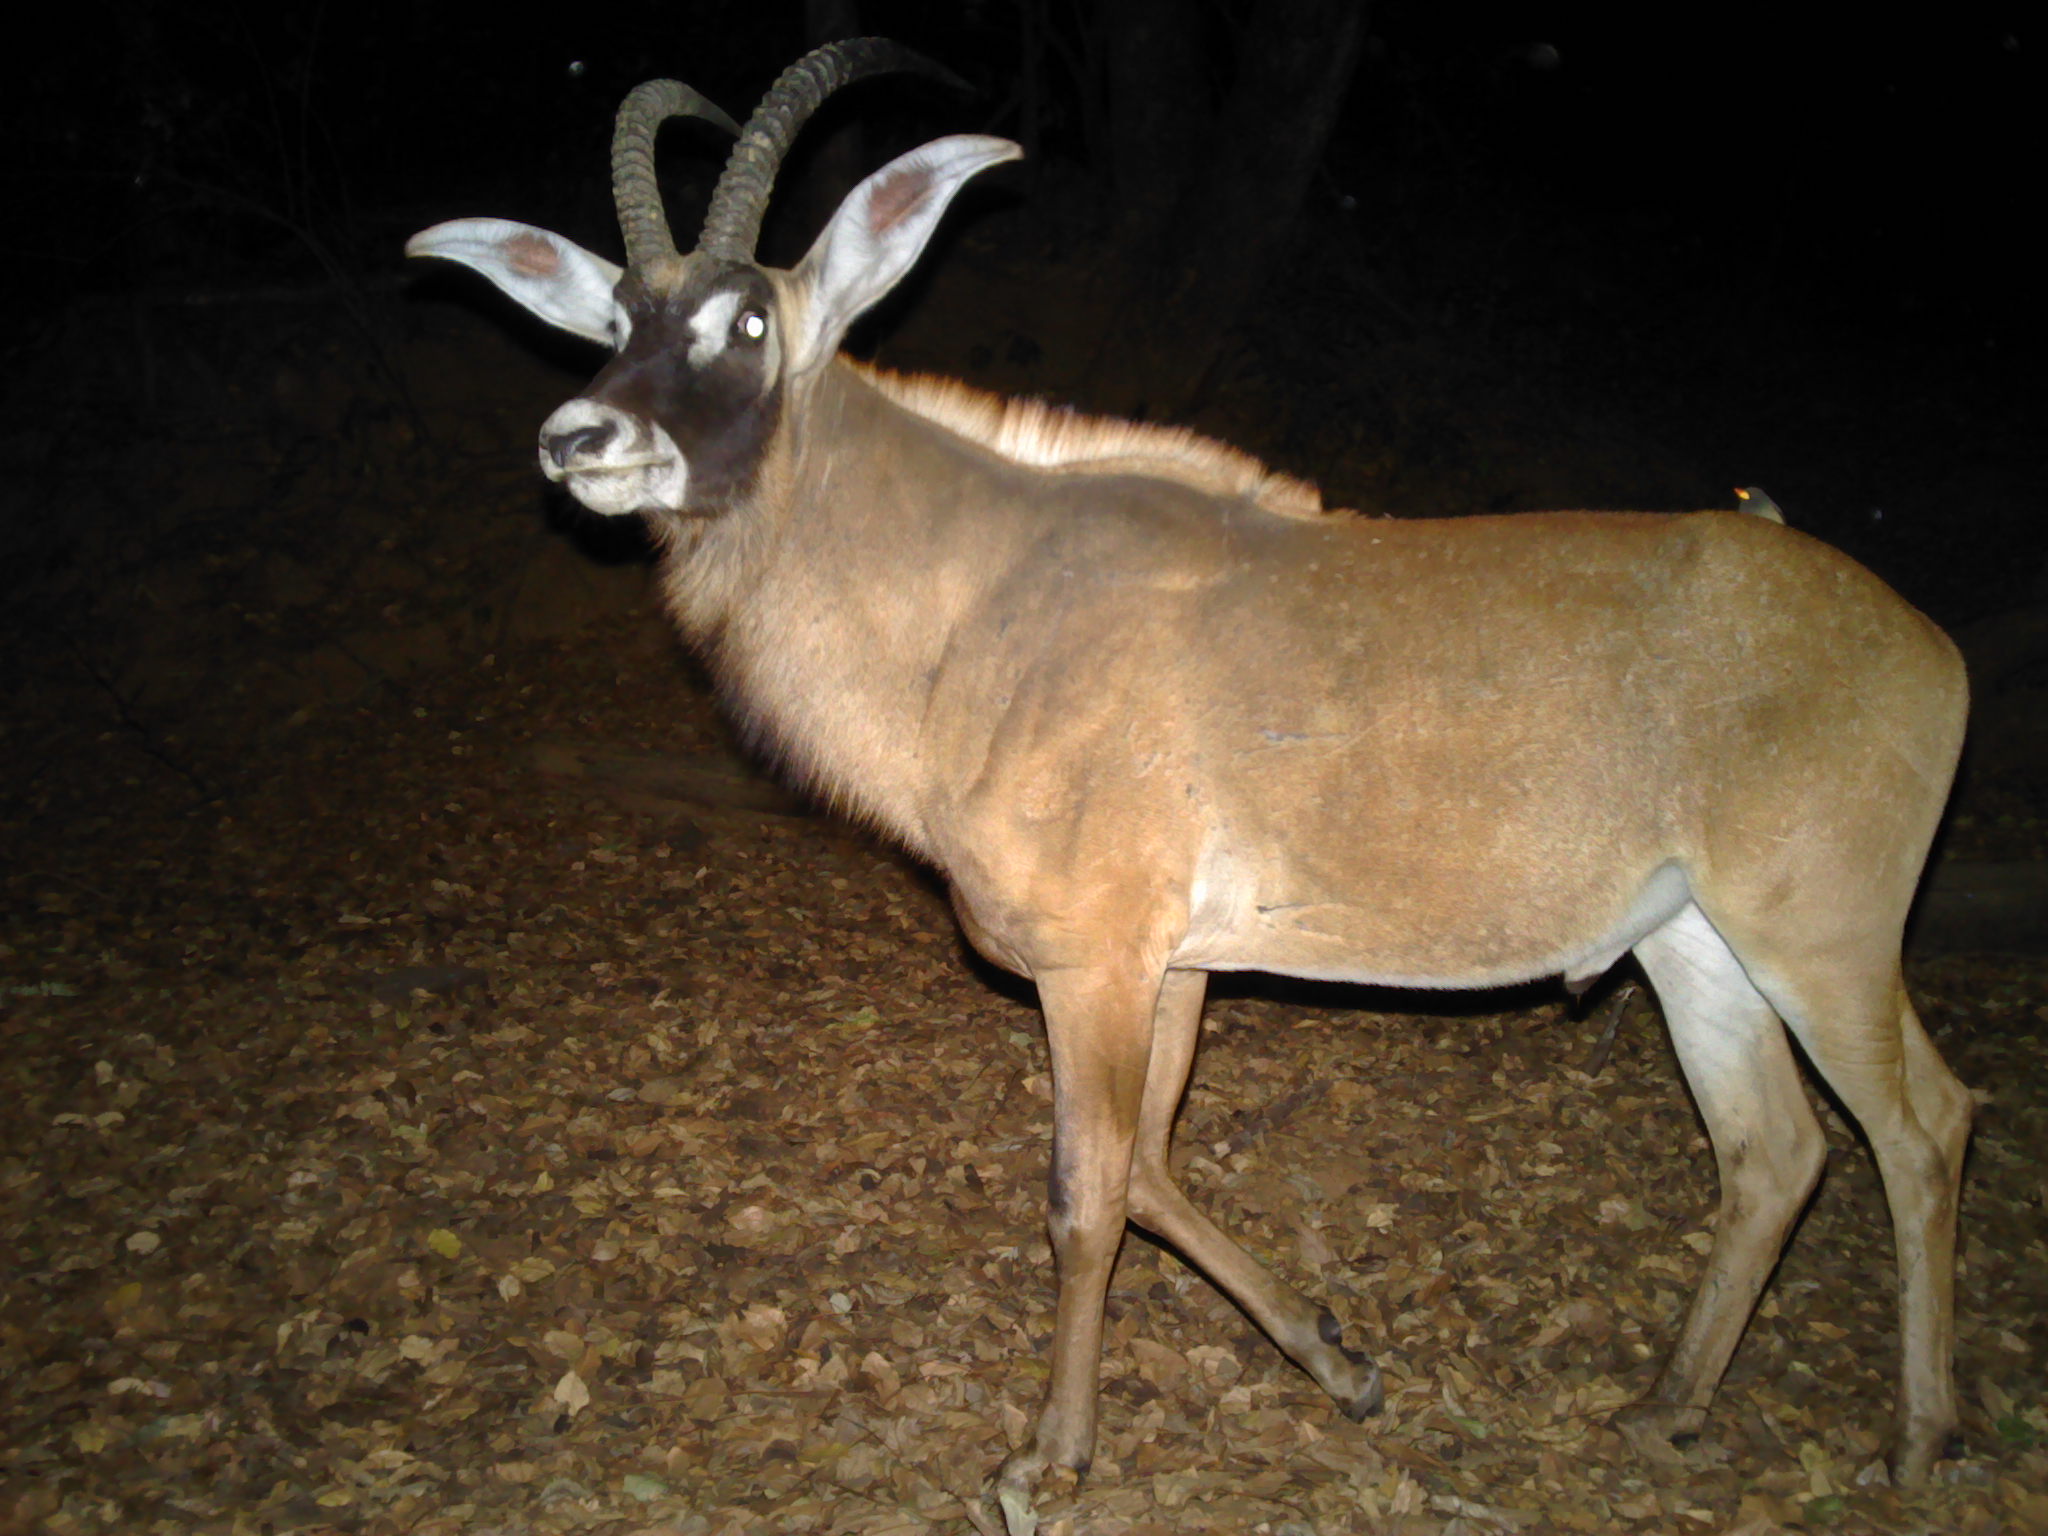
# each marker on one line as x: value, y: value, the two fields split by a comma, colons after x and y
x: 1862, y: 1035
x: 1847, y: 1004
x: 1767, y: 1146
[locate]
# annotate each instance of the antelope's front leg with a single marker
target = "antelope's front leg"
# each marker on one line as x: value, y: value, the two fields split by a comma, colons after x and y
x: 1099, y: 1025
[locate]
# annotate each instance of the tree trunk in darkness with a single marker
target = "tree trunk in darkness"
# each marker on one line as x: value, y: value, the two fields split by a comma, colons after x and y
x: 1239, y: 189
x: 1152, y: 69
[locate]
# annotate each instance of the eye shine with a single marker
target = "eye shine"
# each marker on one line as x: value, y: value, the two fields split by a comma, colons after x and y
x: 1153, y: 712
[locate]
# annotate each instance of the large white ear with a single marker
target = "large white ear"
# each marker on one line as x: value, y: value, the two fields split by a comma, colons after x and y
x: 554, y: 278
x: 878, y: 233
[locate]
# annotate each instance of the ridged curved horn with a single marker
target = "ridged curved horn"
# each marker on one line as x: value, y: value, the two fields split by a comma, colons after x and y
x: 733, y: 222
x: 634, y: 186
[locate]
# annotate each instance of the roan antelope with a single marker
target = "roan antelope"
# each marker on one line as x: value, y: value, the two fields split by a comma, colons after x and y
x: 1155, y: 713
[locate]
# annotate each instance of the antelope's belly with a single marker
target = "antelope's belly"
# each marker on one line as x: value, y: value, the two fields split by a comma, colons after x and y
x: 1442, y: 933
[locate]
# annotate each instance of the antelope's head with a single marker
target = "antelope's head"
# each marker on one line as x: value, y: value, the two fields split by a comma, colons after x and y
x: 712, y: 350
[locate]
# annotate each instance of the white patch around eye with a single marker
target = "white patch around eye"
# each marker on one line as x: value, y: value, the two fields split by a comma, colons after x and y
x: 710, y: 327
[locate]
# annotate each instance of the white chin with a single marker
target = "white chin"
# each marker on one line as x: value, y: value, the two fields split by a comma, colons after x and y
x: 626, y: 492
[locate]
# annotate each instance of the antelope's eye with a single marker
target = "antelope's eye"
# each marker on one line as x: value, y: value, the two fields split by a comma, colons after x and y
x: 751, y: 325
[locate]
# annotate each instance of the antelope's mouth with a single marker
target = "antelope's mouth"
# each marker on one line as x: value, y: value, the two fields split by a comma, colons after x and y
x: 616, y: 466
x: 641, y: 484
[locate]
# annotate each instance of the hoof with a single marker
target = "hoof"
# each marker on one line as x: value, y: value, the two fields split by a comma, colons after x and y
x: 1367, y: 1403
x: 1913, y: 1457
x: 1658, y: 1431
x: 1359, y: 1397
x: 1012, y: 1488
x: 1015, y: 1484
x: 1019, y: 1518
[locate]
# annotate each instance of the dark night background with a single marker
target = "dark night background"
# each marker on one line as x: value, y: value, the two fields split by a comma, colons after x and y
x: 1439, y: 259
x: 1771, y: 248
x: 285, y: 607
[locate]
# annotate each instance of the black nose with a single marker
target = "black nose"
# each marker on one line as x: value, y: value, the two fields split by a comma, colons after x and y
x: 564, y: 446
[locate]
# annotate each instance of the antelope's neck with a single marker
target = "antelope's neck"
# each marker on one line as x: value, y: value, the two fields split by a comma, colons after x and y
x: 826, y: 609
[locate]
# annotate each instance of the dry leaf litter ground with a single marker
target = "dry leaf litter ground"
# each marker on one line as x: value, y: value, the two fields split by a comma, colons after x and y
x: 431, y: 1145
x: 403, y: 1138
